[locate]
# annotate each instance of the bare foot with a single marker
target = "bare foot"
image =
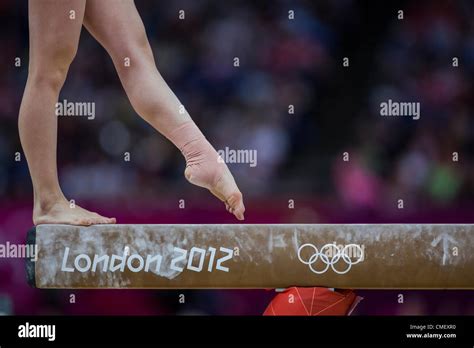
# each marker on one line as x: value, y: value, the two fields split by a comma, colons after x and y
x: 60, y: 212
x: 225, y: 189
x: 205, y: 168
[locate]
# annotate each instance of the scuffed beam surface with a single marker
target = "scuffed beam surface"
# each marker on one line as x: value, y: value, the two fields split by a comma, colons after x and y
x: 399, y: 256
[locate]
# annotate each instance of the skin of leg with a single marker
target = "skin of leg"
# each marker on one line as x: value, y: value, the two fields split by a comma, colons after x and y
x: 117, y: 25
x: 54, y: 38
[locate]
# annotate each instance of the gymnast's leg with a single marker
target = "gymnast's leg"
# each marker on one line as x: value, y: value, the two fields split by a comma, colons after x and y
x: 117, y: 25
x: 54, y: 38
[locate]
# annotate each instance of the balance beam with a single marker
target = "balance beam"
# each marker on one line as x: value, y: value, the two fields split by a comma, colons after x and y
x: 392, y: 256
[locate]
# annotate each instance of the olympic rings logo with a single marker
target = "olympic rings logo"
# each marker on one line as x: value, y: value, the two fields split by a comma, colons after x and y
x: 330, y: 257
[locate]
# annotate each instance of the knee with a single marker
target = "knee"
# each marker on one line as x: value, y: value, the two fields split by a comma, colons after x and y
x: 133, y: 52
x: 50, y: 71
x: 48, y: 78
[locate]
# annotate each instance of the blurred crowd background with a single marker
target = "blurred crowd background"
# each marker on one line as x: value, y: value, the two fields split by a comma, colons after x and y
x: 284, y: 64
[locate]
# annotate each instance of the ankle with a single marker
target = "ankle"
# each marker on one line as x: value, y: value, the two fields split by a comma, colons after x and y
x: 46, y: 202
